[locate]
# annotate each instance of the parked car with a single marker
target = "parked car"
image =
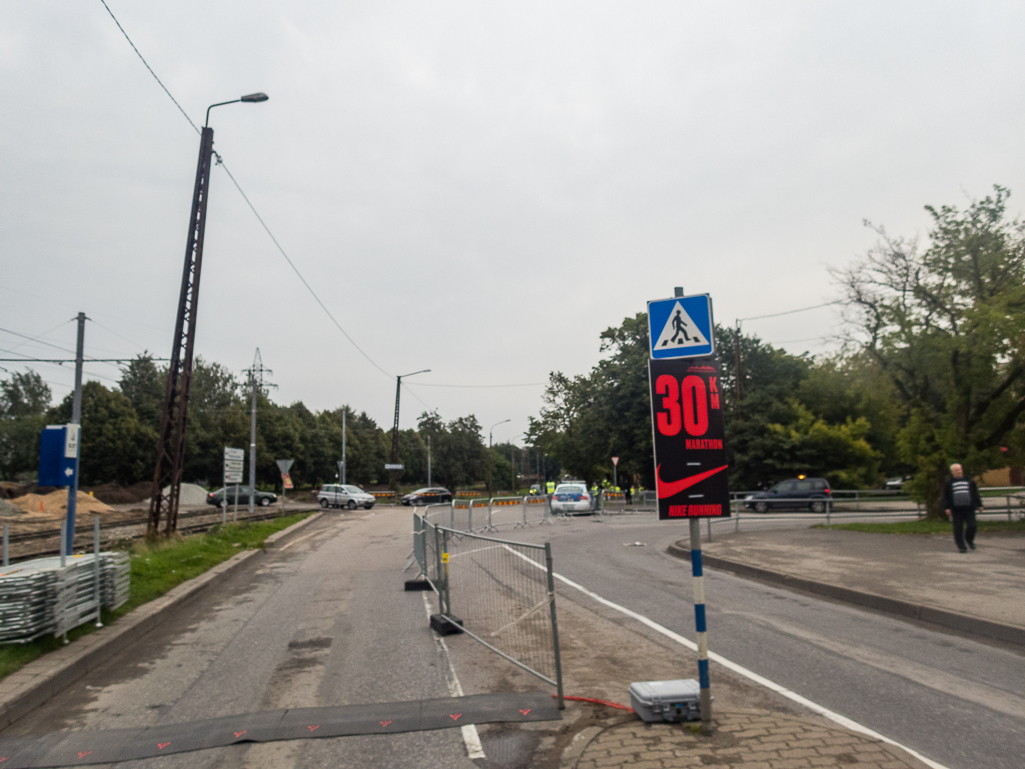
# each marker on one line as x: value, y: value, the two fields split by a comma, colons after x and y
x: 344, y: 495
x: 794, y: 493
x: 217, y: 498
x: 427, y: 496
x: 896, y: 483
x: 571, y: 498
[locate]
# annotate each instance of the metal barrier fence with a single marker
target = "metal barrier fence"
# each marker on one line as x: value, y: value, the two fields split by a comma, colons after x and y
x: 500, y: 592
x: 484, y: 514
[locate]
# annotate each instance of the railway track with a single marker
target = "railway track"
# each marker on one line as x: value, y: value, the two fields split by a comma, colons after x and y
x: 48, y: 541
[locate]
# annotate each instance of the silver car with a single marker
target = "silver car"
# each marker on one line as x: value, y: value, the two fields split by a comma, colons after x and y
x: 344, y: 495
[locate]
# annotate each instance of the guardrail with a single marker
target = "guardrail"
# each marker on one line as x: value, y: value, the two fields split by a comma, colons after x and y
x: 499, y: 592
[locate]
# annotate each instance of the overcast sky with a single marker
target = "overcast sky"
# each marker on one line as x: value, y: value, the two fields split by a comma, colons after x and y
x: 476, y: 188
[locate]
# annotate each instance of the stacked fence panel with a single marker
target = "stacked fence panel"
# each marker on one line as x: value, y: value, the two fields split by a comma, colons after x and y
x: 40, y: 596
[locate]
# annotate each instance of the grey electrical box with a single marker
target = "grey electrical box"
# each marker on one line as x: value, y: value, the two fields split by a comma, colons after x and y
x: 671, y: 701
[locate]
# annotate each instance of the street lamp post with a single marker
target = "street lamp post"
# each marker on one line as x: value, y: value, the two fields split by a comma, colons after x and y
x: 492, y: 430
x: 395, y: 429
x: 171, y: 446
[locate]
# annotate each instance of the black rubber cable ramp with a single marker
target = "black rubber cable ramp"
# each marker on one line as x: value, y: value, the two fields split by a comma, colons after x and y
x: 101, y: 747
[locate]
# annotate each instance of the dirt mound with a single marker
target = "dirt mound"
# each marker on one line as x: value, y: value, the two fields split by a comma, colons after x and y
x: 53, y: 506
x: 10, y: 490
x: 10, y: 510
x: 113, y: 494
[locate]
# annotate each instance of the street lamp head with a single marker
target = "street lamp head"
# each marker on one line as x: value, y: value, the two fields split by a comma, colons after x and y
x: 254, y: 97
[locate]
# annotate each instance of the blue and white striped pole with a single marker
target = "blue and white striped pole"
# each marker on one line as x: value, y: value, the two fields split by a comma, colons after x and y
x: 699, y: 619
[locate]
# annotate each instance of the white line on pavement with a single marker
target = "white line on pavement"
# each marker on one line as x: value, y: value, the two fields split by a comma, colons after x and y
x: 854, y: 726
x: 474, y: 748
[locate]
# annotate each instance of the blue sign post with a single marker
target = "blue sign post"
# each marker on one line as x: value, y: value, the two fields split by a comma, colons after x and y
x: 682, y: 430
x: 58, y: 466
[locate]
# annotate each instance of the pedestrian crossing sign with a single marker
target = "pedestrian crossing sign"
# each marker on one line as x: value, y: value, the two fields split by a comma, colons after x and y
x: 681, y: 327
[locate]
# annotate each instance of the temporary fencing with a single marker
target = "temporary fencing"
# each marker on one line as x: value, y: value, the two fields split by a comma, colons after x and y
x: 490, y: 514
x: 495, y: 591
x: 41, y: 596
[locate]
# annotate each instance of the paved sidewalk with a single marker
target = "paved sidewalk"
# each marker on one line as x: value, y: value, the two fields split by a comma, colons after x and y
x: 919, y: 569
x: 739, y: 739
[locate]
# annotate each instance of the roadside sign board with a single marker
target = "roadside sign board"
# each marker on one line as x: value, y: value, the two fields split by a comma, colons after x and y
x: 687, y: 424
x: 284, y: 465
x: 681, y: 327
x: 234, y: 465
x: 615, y: 461
x: 394, y: 467
x: 58, y: 453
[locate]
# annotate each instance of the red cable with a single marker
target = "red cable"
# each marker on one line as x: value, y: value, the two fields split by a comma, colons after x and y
x: 610, y: 703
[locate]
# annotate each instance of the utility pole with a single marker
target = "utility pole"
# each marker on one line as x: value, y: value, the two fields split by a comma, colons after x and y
x: 428, y: 460
x: 395, y: 430
x: 341, y: 467
x: 76, y: 419
x: 171, y: 446
x: 738, y: 382
x: 257, y: 384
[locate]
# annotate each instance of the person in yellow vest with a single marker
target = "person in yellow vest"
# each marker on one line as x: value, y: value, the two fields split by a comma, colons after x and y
x: 550, y: 487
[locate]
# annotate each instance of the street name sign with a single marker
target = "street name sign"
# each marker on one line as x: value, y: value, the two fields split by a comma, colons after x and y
x: 687, y: 426
x: 394, y: 467
x: 681, y: 327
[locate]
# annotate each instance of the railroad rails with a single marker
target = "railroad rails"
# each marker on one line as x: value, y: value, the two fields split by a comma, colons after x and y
x: 48, y: 540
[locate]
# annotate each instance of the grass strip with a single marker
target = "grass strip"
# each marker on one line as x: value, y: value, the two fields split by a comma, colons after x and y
x: 921, y: 527
x: 156, y: 568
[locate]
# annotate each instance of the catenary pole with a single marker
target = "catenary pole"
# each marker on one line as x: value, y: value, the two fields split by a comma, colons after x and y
x: 341, y: 468
x: 76, y: 419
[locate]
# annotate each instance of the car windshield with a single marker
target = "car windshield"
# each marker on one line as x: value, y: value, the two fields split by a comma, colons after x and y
x: 422, y: 491
x: 570, y: 490
x: 353, y: 489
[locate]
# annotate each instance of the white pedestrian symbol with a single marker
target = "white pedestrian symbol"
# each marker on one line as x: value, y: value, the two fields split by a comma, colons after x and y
x: 680, y: 330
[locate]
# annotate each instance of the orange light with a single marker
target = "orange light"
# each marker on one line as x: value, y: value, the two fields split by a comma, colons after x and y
x: 800, y: 477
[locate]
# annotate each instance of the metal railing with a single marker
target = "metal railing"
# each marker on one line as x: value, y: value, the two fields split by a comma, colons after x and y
x: 500, y: 592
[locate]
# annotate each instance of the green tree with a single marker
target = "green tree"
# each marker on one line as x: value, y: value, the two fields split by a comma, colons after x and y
x: 115, y: 446
x: 145, y: 385
x: 946, y: 325
x: 24, y: 400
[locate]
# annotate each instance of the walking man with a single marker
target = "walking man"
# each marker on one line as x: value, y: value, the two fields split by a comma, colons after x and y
x: 961, y: 500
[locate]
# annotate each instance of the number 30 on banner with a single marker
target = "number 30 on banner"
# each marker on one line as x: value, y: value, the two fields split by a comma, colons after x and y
x: 685, y: 404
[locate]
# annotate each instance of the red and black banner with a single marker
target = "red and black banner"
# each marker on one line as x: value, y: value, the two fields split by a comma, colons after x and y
x: 690, y: 455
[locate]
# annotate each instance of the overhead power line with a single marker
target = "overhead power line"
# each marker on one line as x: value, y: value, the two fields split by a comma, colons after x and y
x: 789, y: 312
x: 143, y: 60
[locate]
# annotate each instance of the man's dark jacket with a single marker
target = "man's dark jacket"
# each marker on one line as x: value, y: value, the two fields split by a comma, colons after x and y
x: 961, y: 494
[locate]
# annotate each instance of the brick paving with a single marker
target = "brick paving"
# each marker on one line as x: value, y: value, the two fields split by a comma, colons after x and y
x: 739, y: 739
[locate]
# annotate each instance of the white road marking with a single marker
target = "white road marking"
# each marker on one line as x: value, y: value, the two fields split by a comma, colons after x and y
x: 474, y: 748
x: 297, y: 541
x: 854, y: 726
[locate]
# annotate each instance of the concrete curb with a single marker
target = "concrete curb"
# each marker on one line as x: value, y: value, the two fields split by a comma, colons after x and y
x: 42, y: 679
x: 275, y: 540
x: 954, y: 620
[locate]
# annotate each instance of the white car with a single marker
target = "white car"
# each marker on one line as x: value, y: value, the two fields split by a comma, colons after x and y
x: 339, y: 495
x: 571, y: 498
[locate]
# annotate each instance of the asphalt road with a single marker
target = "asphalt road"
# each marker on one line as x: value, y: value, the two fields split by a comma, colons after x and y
x: 323, y: 622
x: 955, y: 700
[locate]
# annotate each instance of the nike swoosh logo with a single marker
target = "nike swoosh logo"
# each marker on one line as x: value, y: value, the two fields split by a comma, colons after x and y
x: 668, y: 489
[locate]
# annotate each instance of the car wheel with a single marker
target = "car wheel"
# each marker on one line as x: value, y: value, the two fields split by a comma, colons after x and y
x: 324, y: 503
x: 761, y: 507
x: 818, y: 507
x: 264, y: 501
x: 352, y: 504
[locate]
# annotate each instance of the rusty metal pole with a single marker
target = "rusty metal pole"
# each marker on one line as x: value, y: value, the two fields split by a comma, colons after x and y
x: 171, y: 447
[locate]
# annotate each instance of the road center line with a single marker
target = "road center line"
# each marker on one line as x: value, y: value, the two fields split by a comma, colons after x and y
x: 844, y: 721
x: 474, y: 748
